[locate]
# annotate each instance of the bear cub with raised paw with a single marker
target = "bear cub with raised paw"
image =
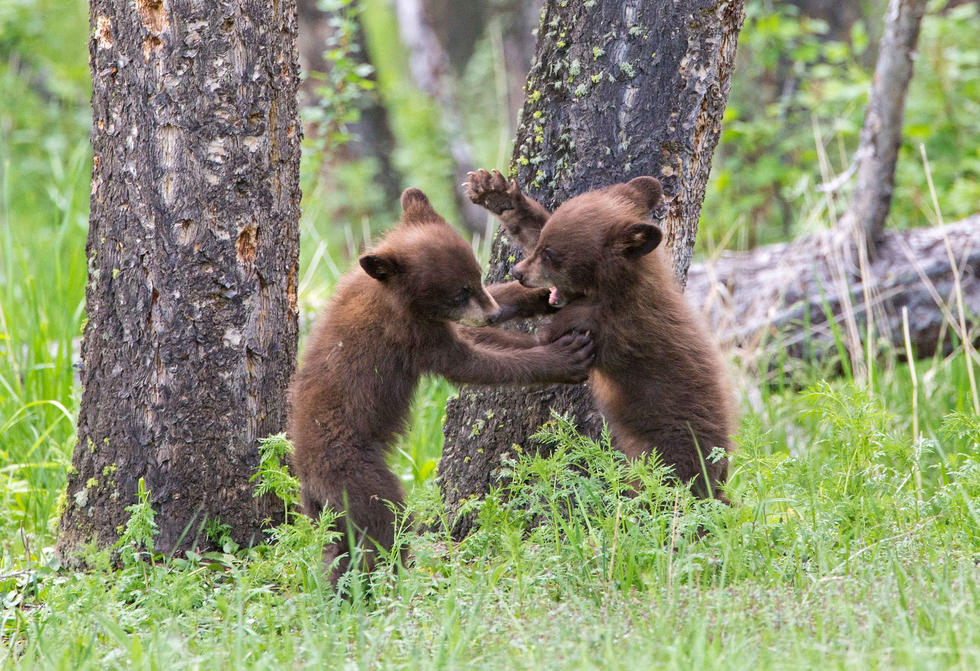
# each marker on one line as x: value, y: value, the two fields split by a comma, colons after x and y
x: 658, y: 378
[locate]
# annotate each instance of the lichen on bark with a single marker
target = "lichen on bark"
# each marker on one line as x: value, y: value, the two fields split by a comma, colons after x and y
x: 192, y: 251
x: 617, y: 89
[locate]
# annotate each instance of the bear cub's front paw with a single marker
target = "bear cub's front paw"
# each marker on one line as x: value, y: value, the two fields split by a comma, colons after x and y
x: 577, y: 353
x: 492, y: 191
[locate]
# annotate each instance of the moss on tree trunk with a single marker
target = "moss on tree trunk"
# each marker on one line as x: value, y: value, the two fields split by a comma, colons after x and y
x: 617, y: 89
x: 192, y: 254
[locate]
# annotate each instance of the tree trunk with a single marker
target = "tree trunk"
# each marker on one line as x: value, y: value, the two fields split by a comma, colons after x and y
x: 618, y: 89
x: 779, y: 311
x: 370, y: 134
x: 881, y: 135
x: 429, y: 65
x: 192, y: 252
x: 519, y: 19
x: 457, y: 26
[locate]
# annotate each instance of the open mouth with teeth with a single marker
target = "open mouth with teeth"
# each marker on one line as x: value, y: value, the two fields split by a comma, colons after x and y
x: 555, y: 299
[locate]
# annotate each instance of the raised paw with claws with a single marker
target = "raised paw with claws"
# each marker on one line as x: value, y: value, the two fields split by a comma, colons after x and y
x: 492, y: 191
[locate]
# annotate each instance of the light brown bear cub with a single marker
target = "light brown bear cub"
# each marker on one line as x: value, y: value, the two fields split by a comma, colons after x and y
x: 658, y: 379
x: 390, y: 321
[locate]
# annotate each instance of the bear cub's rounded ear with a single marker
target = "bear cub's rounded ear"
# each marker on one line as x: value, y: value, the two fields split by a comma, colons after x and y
x: 416, y: 208
x: 647, y: 191
x: 414, y: 198
x: 380, y: 266
x: 639, y: 238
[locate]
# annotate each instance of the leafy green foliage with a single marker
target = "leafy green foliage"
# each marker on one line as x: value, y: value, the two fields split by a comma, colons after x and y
x: 220, y: 534
x: 273, y: 476
x: 835, y: 553
x: 962, y: 425
x: 798, y: 99
x: 421, y: 154
x: 140, y: 528
x: 335, y: 96
x: 610, y: 520
x: 345, y: 87
x: 852, y: 542
x: 943, y: 113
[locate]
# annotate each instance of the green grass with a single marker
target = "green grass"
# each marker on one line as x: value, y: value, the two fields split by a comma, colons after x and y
x: 854, y: 549
x: 42, y: 281
x: 853, y: 542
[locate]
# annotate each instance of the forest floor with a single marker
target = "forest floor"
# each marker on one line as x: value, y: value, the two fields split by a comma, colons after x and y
x: 853, y: 541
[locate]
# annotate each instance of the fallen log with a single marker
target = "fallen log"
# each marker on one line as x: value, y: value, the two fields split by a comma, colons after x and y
x: 803, y: 299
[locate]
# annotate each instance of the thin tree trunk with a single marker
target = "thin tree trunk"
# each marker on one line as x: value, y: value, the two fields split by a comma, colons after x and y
x: 371, y: 135
x: 618, y: 89
x: 192, y: 251
x: 881, y: 135
x: 840, y: 17
x: 430, y: 66
x: 772, y: 303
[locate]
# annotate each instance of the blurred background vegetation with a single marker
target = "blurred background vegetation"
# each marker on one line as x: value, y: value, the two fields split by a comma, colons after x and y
x: 374, y: 126
x: 855, y: 544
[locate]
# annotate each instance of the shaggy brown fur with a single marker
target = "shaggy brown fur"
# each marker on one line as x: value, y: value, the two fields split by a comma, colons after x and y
x: 390, y: 321
x: 659, y: 379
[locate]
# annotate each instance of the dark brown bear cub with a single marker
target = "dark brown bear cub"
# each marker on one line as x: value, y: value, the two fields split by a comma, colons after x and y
x: 658, y: 377
x: 390, y: 321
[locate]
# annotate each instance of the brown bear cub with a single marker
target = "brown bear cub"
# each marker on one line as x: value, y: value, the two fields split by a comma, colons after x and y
x: 391, y: 320
x: 658, y: 378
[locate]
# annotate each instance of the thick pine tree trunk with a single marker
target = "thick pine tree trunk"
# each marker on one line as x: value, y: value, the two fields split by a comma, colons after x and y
x: 192, y: 252
x: 618, y: 89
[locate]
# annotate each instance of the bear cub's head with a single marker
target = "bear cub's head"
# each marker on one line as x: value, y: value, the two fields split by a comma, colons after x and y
x: 429, y: 267
x: 593, y: 241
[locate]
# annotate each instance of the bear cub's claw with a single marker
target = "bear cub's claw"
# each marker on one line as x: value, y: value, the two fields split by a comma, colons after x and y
x: 578, y: 352
x: 492, y: 191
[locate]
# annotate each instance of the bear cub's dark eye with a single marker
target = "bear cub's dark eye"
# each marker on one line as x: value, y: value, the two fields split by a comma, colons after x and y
x: 462, y: 296
x: 549, y: 255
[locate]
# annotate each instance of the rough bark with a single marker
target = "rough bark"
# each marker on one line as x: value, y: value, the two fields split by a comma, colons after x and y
x: 617, y: 90
x: 371, y: 135
x: 192, y: 252
x: 519, y: 18
x: 881, y: 135
x: 779, y: 311
x: 429, y: 65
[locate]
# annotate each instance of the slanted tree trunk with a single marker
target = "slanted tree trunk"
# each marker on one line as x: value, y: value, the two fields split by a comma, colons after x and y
x: 192, y: 252
x: 618, y: 89
x: 881, y: 135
